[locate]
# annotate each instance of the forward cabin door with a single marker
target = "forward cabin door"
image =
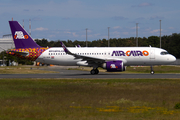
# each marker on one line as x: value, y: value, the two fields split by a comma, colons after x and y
x: 152, y: 54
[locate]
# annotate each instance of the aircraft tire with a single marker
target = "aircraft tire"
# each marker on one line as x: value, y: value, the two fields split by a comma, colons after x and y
x: 93, y: 72
x: 96, y: 71
x: 152, y: 72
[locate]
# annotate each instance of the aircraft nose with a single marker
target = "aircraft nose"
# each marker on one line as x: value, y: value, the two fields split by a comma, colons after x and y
x: 172, y: 59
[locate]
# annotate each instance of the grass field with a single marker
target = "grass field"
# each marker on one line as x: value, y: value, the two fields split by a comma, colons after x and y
x: 23, y: 70
x: 89, y: 99
x: 157, y: 69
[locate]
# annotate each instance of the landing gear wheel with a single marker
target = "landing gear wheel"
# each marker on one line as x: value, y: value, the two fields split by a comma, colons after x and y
x: 94, y: 71
x: 152, y: 72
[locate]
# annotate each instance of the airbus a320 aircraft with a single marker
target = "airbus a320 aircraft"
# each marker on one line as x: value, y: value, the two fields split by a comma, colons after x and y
x: 113, y: 59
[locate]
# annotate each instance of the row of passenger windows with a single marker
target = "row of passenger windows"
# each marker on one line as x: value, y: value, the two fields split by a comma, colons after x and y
x: 57, y: 54
x: 80, y: 53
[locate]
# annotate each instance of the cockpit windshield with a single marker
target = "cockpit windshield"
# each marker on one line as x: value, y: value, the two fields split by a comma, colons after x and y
x: 164, y: 53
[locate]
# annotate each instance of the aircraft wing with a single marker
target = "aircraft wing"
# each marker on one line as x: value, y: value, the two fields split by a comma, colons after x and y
x: 90, y: 60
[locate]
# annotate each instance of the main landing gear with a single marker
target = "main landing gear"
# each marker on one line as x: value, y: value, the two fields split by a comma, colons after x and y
x: 94, y: 71
x: 152, y: 71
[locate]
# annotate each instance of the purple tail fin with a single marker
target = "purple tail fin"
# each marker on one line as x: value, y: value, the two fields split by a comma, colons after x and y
x: 21, y: 37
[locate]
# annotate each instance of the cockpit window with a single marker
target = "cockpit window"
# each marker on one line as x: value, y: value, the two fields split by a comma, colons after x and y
x: 164, y: 53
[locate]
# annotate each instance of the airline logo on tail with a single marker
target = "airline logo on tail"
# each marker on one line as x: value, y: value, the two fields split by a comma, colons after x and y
x: 20, y: 35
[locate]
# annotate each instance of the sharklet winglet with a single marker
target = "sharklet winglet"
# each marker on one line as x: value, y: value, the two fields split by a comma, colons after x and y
x: 65, y: 48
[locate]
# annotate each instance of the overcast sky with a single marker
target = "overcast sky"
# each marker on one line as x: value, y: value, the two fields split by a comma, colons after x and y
x: 68, y: 19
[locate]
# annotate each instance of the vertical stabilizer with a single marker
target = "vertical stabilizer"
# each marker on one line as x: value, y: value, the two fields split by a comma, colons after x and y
x: 21, y: 37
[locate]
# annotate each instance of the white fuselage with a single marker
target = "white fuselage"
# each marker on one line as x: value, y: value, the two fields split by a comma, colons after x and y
x: 129, y: 55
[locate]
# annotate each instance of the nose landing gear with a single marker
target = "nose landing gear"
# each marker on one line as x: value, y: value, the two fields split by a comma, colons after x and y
x: 152, y: 71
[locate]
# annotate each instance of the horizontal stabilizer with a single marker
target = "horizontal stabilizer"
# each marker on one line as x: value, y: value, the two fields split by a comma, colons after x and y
x: 20, y: 53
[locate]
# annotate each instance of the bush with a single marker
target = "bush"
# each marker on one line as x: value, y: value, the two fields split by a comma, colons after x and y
x: 177, y: 106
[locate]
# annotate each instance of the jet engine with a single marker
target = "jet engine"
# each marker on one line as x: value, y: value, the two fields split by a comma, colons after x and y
x: 114, y: 66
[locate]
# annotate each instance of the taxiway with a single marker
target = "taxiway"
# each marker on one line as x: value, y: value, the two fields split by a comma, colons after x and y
x: 62, y: 73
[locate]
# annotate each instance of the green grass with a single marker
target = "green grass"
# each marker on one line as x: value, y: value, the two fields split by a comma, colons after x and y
x: 87, y: 99
x: 157, y: 69
x: 23, y: 70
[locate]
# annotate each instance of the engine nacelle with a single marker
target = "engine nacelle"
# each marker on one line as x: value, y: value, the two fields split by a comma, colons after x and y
x: 114, y: 66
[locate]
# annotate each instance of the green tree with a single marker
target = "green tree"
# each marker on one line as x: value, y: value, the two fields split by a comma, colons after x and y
x: 153, y: 41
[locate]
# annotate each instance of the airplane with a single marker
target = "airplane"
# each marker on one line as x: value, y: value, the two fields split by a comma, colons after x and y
x: 113, y: 59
